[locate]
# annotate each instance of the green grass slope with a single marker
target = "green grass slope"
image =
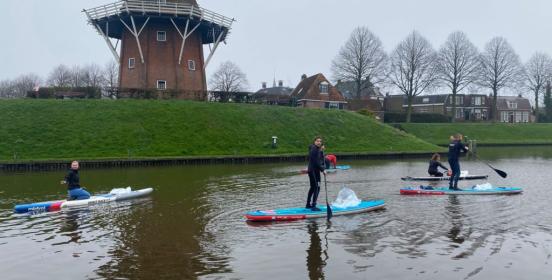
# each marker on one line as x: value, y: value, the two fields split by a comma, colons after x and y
x: 96, y: 129
x: 484, y: 133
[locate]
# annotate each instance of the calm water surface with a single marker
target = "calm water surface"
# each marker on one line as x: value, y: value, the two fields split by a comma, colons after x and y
x: 192, y: 226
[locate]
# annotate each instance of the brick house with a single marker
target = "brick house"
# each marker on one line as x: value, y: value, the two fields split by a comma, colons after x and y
x: 370, y: 98
x: 514, y: 109
x: 469, y: 107
x: 317, y: 92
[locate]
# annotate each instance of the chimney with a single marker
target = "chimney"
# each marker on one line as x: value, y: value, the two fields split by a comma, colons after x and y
x: 280, y: 83
x: 304, y: 76
x: 264, y: 84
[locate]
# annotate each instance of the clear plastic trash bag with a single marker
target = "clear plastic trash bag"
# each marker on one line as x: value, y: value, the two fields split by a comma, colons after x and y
x: 346, y: 198
x: 121, y: 190
x: 464, y: 173
x: 483, y: 187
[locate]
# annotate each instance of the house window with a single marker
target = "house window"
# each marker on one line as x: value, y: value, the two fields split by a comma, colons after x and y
x: 484, y: 115
x: 191, y: 65
x: 504, y: 116
x: 324, y: 87
x: 512, y: 105
x: 477, y: 100
x: 459, y: 100
x: 423, y: 110
x: 161, y: 85
x: 525, y: 117
x: 161, y: 36
x: 477, y: 114
x: 332, y: 105
x: 425, y: 100
x: 518, y: 117
x: 459, y: 113
x: 131, y: 63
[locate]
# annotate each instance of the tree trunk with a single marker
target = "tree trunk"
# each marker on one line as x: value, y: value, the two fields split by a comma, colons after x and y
x: 537, y: 106
x: 409, y: 109
x: 453, y: 119
x: 494, y: 107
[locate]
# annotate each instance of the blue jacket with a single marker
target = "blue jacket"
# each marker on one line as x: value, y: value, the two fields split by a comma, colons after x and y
x: 455, y: 148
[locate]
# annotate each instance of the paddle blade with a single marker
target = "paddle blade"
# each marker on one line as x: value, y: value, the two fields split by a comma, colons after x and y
x: 329, y: 211
x: 501, y: 173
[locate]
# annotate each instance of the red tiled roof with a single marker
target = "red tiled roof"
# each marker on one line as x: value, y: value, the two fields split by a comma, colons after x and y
x: 309, y: 89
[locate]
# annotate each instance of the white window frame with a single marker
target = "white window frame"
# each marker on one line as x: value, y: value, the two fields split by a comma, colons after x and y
x: 191, y: 65
x: 333, y: 105
x: 324, y: 86
x: 459, y: 113
x: 477, y: 101
x: 425, y: 100
x: 131, y: 63
x: 164, y: 39
x: 459, y: 100
x: 159, y: 82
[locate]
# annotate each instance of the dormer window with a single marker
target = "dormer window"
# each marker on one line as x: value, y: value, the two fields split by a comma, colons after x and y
x: 512, y: 105
x: 161, y: 36
x: 161, y: 85
x: 425, y: 100
x: 324, y: 87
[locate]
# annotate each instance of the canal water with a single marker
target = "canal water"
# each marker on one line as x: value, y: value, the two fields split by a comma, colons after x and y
x: 192, y: 226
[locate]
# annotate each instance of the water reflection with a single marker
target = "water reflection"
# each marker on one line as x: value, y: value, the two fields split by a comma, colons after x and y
x: 316, y: 258
x: 454, y: 211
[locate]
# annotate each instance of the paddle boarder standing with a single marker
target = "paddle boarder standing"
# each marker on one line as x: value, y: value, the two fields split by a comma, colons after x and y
x: 455, y: 148
x: 72, y: 180
x: 316, y: 159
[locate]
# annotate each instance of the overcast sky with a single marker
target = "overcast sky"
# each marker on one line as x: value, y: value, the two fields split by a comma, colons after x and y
x: 281, y: 39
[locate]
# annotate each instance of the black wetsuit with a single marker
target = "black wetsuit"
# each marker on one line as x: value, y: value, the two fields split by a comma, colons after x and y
x: 74, y: 189
x: 72, y: 179
x: 433, y: 169
x: 315, y: 167
x: 455, y: 148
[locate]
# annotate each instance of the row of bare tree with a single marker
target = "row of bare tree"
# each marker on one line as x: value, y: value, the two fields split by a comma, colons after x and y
x: 61, y: 76
x: 415, y: 67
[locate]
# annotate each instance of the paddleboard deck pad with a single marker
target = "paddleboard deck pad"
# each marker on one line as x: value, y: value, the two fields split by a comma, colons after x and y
x: 331, y: 170
x: 291, y: 214
x: 427, y: 190
x: 444, y: 178
x: 51, y: 206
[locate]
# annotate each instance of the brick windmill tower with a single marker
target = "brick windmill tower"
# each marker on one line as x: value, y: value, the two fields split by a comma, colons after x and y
x: 161, y: 43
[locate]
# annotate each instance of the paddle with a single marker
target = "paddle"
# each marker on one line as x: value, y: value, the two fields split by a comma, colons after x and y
x: 498, y: 171
x: 328, y: 208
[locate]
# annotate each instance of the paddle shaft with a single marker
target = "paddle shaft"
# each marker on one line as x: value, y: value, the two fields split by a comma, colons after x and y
x: 328, y: 208
x: 498, y: 171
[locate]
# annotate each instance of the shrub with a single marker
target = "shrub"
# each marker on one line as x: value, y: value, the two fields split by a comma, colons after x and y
x: 416, y: 118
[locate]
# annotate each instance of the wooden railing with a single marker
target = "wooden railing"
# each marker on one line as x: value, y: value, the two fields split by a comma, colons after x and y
x: 160, y: 8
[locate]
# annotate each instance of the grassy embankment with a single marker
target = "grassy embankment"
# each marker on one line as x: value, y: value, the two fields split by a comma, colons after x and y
x: 484, y: 133
x: 105, y: 129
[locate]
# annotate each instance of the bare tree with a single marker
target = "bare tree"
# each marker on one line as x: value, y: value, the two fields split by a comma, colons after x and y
x: 60, y: 76
x: 500, y: 67
x: 92, y: 76
x: 458, y: 64
x: 413, y: 67
x: 77, y: 76
x: 362, y: 60
x: 7, y: 89
x: 229, y: 78
x: 538, y: 72
x: 111, y: 78
x: 26, y: 83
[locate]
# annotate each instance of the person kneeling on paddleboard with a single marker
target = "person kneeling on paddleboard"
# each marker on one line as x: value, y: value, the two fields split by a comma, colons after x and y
x: 455, y: 148
x: 434, y: 165
x: 315, y: 167
x: 331, y: 161
x: 76, y: 192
